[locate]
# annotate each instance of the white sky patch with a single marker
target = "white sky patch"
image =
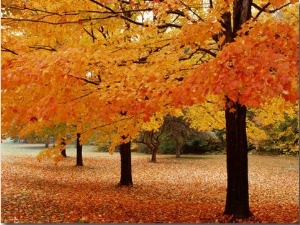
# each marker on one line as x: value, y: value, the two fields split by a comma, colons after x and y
x: 145, y: 16
x: 89, y: 74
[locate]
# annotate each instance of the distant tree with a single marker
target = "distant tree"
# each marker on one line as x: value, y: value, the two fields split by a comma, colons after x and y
x: 179, y: 130
x: 152, y: 140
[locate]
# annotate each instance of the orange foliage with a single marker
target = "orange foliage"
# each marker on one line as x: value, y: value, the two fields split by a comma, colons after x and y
x: 256, y: 66
x: 85, y: 62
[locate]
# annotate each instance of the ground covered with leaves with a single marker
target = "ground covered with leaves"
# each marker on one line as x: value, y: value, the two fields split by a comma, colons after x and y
x: 191, y: 189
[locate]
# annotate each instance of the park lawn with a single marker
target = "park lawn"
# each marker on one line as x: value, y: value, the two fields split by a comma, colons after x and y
x: 191, y: 189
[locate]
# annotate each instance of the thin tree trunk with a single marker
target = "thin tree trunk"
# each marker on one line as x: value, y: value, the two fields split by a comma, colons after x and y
x: 63, y: 147
x: 126, y: 173
x: 177, y: 148
x: 237, y: 199
x: 79, y: 161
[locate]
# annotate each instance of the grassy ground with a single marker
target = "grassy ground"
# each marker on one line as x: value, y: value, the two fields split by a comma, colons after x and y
x: 191, y: 189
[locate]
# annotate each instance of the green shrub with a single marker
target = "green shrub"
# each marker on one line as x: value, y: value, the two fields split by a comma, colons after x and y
x: 167, y: 146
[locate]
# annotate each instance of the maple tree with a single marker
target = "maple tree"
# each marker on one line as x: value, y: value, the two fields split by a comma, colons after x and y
x: 246, y: 78
x: 91, y: 61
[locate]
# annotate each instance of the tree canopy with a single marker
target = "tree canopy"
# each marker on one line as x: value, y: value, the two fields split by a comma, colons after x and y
x: 89, y: 61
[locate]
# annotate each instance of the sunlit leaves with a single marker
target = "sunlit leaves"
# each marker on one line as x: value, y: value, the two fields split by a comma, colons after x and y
x: 254, y: 134
x: 253, y: 67
x: 50, y: 153
x: 275, y: 110
x: 205, y: 116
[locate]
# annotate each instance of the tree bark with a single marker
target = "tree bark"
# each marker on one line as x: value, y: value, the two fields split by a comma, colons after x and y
x: 63, y: 147
x: 241, y: 13
x: 153, y: 154
x: 178, y: 147
x: 237, y: 199
x: 126, y: 173
x: 79, y: 161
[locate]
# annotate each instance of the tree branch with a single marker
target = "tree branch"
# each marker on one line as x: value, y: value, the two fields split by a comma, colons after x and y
x: 8, y: 50
x: 205, y: 50
x: 260, y: 9
x: 90, y: 33
x: 117, y: 13
x: 166, y: 25
x: 85, y: 80
x: 189, y: 8
x: 55, y: 23
x: 82, y: 96
x: 264, y: 8
x: 43, y: 47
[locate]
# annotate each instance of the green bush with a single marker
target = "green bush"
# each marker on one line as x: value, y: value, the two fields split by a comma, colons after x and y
x: 196, y: 146
x: 167, y: 146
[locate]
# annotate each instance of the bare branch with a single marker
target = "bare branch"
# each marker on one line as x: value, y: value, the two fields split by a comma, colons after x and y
x: 55, y: 23
x: 199, y: 48
x: 166, y: 25
x: 264, y: 8
x: 8, y: 50
x: 117, y: 13
x: 85, y: 80
x: 189, y: 8
x: 43, y: 47
x: 82, y: 96
x: 91, y: 33
x: 260, y: 9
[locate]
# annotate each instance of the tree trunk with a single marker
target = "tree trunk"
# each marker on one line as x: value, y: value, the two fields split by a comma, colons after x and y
x: 63, y: 147
x: 177, y: 147
x: 153, y: 154
x: 126, y: 175
x: 237, y: 199
x: 78, y: 151
x: 177, y: 152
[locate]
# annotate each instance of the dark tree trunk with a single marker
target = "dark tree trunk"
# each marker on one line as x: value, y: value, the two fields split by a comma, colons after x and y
x: 241, y: 13
x: 237, y: 199
x: 126, y: 175
x: 63, y: 147
x: 177, y: 151
x: 78, y: 151
x: 153, y: 154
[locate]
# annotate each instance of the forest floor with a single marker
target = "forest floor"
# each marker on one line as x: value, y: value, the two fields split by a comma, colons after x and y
x: 190, y: 189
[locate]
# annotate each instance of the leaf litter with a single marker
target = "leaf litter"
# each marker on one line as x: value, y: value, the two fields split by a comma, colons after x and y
x: 191, y: 189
